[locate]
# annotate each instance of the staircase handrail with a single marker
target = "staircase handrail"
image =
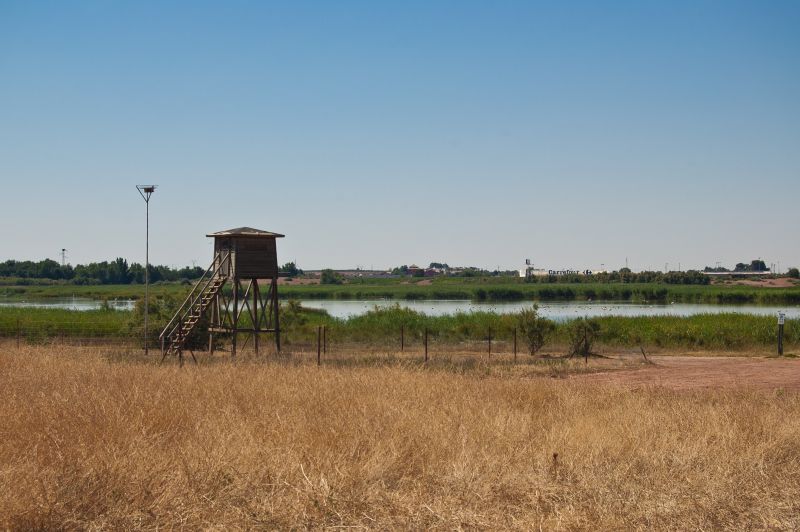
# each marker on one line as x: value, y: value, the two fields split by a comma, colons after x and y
x: 184, y: 309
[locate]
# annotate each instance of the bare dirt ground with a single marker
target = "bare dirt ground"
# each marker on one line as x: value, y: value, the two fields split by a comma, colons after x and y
x: 683, y: 373
x: 297, y: 281
x: 783, y: 282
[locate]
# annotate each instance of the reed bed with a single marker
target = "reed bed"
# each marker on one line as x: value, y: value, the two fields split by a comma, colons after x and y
x: 92, y: 438
x: 511, y: 289
x: 477, y: 288
x: 384, y: 328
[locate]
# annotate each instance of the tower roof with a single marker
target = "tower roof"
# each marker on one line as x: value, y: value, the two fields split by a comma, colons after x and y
x: 246, y: 231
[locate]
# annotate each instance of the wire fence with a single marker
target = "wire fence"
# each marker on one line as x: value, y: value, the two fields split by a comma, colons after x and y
x: 316, y: 342
x: 323, y: 342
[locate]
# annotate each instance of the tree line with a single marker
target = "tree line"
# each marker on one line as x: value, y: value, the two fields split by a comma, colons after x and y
x: 625, y: 275
x: 117, y: 271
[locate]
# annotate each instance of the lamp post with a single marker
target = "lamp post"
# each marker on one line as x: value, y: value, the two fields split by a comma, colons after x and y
x: 146, y: 191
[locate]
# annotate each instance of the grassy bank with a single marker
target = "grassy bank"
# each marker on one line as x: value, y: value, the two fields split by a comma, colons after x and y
x: 38, y: 323
x: 90, y: 444
x: 492, y: 290
x: 705, y: 331
x: 477, y: 289
x: 110, y: 291
x: 383, y: 327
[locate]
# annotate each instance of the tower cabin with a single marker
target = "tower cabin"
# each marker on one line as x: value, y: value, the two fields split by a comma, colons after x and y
x: 253, y: 252
x: 247, y: 260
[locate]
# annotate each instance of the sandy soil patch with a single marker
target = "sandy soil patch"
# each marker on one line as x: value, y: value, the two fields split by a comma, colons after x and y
x: 707, y: 372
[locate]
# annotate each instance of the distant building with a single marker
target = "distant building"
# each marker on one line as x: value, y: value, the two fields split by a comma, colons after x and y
x: 530, y: 271
x: 415, y: 270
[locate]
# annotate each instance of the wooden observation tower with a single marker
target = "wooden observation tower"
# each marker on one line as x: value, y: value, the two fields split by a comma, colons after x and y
x: 246, y: 259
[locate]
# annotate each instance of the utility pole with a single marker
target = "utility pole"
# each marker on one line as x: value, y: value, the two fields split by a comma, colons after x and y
x: 63, y: 257
x: 146, y: 191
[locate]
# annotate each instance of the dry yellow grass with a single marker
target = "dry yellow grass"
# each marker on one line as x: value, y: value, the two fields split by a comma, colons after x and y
x: 86, y: 442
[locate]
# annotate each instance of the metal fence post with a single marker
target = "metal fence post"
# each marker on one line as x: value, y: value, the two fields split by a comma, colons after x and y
x: 515, y: 345
x: 319, y: 346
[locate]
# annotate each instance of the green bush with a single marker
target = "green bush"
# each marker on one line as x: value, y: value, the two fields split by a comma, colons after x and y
x: 583, y: 332
x: 535, y: 329
x: 329, y: 276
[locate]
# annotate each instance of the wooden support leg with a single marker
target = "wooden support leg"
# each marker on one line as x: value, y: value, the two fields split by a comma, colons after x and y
x: 235, y: 317
x: 276, y: 308
x: 256, y: 324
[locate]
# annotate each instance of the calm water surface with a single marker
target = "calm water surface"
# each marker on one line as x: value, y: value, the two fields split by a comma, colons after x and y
x: 68, y: 303
x: 554, y: 310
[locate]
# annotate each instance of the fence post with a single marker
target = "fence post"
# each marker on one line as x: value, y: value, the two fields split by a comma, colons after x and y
x: 426, y: 344
x: 490, y: 343
x: 515, y: 345
x: 781, y: 318
x: 319, y: 346
x: 402, y: 338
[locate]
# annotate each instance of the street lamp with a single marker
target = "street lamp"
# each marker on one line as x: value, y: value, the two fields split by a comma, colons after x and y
x: 146, y: 191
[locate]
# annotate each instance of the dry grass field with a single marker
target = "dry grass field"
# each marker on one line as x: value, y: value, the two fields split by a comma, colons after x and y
x: 90, y: 439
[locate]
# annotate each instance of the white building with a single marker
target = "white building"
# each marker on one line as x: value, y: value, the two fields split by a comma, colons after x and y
x: 530, y: 271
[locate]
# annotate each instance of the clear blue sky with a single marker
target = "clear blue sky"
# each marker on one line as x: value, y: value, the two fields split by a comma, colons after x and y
x: 386, y: 133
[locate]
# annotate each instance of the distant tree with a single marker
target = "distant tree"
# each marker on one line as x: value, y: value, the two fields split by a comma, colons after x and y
x: 794, y: 273
x: 290, y: 269
x: 400, y: 270
x: 118, y: 272
x: 329, y: 276
x: 136, y: 271
x: 757, y: 265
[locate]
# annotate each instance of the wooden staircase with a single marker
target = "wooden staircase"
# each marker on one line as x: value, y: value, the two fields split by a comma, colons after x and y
x: 174, y: 336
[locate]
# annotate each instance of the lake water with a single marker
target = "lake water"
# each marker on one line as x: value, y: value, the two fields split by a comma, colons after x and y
x: 558, y: 311
x: 68, y: 303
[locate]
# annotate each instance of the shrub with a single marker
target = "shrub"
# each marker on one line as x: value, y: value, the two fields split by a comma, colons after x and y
x: 582, y: 334
x: 534, y: 328
x: 329, y: 276
x: 794, y: 273
x: 161, y: 311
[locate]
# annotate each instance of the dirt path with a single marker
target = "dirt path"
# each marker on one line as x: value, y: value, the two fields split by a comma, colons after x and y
x: 708, y: 372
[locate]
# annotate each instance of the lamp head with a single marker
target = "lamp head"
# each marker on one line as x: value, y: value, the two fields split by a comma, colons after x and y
x: 146, y: 191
